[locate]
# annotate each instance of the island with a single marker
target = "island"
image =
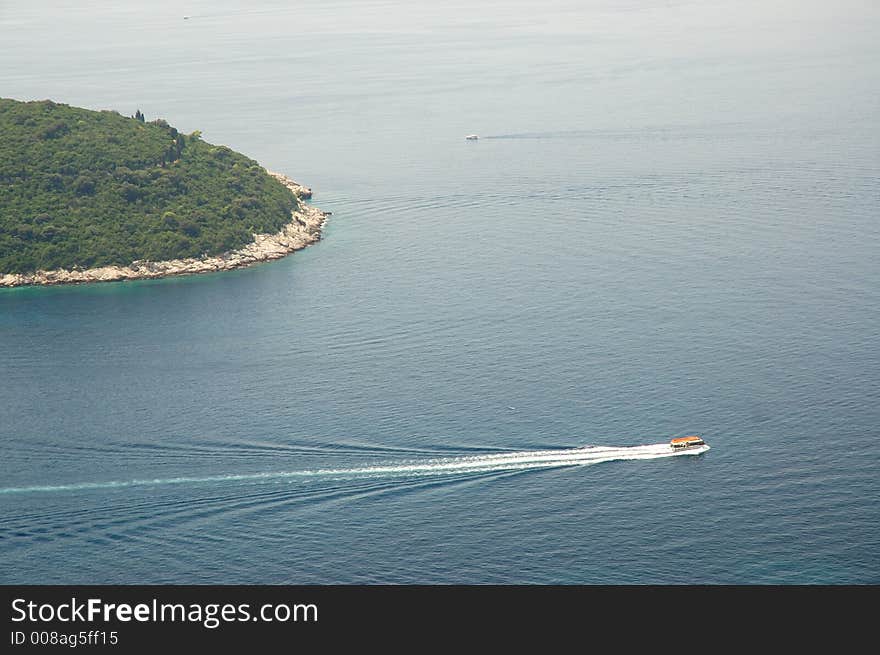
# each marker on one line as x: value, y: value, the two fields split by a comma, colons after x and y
x: 95, y: 196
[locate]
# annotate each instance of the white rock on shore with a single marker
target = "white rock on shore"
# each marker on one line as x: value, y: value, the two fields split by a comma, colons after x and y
x: 303, y: 230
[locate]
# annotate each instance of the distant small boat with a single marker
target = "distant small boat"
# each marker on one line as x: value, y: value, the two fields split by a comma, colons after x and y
x: 472, y: 137
x: 686, y: 442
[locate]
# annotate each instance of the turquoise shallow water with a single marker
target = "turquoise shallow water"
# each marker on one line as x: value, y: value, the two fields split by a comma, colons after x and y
x: 669, y: 226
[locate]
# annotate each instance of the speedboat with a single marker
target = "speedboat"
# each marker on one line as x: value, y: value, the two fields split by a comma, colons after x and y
x: 683, y: 443
x: 472, y: 137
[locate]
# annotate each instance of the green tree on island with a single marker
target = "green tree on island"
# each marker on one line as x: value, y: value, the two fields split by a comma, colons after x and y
x: 82, y: 188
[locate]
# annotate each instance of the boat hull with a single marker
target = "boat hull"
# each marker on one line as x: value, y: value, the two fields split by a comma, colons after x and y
x: 690, y: 450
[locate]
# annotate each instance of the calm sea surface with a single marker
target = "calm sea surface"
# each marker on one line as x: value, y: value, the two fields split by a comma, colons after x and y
x: 669, y: 226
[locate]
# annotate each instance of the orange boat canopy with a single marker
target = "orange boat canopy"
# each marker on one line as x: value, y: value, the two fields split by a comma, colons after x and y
x: 685, y: 439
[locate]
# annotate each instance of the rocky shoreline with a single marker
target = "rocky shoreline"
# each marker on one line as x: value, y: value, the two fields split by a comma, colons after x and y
x: 303, y: 230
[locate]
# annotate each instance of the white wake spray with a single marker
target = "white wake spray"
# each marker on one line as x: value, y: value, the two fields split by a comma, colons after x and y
x: 497, y: 462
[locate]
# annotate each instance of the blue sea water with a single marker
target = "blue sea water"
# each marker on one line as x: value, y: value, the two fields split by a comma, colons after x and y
x: 669, y: 226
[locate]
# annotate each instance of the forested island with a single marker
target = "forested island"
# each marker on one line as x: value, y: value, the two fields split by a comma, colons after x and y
x: 95, y: 196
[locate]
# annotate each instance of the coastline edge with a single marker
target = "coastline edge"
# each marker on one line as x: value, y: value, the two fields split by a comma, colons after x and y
x: 303, y: 230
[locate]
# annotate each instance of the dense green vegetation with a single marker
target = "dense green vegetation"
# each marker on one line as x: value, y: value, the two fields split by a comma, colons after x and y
x: 86, y: 188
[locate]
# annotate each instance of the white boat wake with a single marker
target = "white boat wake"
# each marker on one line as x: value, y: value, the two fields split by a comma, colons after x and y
x: 498, y: 462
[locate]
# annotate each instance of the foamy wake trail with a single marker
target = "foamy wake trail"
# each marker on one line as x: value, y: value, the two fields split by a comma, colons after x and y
x: 513, y: 461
